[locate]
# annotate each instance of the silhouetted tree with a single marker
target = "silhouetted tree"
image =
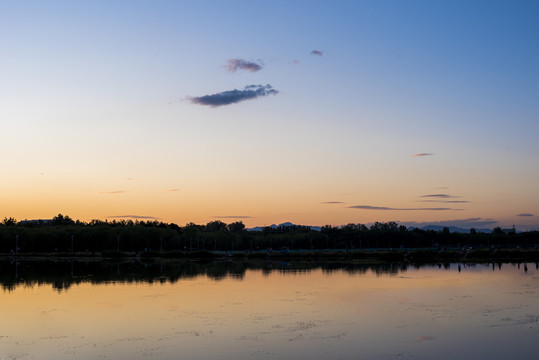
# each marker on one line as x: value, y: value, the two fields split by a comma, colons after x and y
x: 9, y: 221
x: 216, y: 225
x: 236, y: 226
x: 62, y: 220
x: 497, y: 230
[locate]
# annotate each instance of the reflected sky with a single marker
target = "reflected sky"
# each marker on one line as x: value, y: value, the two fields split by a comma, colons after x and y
x: 422, y: 313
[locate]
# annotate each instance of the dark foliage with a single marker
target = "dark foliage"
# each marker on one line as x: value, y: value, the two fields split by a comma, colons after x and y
x: 63, y: 235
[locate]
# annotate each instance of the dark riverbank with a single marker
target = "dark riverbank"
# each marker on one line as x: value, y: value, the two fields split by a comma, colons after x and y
x: 422, y: 255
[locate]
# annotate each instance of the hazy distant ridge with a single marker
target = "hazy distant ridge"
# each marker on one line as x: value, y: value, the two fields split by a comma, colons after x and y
x: 453, y: 229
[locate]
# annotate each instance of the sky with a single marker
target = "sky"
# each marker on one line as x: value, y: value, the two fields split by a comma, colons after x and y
x: 312, y: 112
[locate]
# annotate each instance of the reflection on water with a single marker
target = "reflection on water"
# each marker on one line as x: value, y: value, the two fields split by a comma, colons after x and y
x: 231, y: 310
x: 64, y: 273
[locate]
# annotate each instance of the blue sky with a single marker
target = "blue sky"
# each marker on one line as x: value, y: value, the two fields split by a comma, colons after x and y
x: 99, y: 119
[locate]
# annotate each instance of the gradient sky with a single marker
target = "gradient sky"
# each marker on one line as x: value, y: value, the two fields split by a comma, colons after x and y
x: 313, y: 112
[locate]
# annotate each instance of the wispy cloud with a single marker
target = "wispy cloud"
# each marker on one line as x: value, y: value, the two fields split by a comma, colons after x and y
x: 295, y: 61
x: 463, y: 223
x: 113, y: 192
x: 234, y: 65
x: 233, y: 217
x: 525, y: 215
x: 317, y: 53
x: 234, y: 96
x: 422, y: 154
x: 173, y: 190
x: 140, y: 217
x: 369, y: 207
x: 332, y: 202
x: 438, y: 196
x: 425, y: 338
x: 445, y: 201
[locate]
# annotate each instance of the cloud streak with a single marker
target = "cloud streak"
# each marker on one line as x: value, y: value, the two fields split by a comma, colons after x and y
x: 422, y: 154
x: 445, y: 201
x: 438, y: 196
x: 317, y: 53
x: 234, y: 96
x: 463, y: 223
x: 332, y: 202
x: 525, y: 215
x: 233, y: 217
x: 383, y: 208
x: 113, y: 192
x: 133, y: 217
x: 234, y: 65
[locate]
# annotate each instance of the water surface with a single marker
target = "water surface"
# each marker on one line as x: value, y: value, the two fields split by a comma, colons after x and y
x: 444, y: 312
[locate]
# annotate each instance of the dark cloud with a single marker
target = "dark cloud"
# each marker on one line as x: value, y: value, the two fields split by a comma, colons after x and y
x: 234, y: 96
x: 422, y: 154
x: 113, y: 192
x: 525, y: 214
x: 234, y: 65
x: 462, y: 223
x: 317, y: 53
x: 368, y: 207
x: 332, y: 202
x: 445, y: 201
x: 425, y: 338
x: 233, y: 217
x: 439, y: 196
x: 133, y: 217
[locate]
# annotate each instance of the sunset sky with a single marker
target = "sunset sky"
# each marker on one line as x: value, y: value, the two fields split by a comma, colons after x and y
x: 313, y: 112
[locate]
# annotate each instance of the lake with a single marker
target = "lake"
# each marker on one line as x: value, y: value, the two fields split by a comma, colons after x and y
x: 233, y: 310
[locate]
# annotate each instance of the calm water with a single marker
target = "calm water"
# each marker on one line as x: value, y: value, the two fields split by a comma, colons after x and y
x: 201, y: 311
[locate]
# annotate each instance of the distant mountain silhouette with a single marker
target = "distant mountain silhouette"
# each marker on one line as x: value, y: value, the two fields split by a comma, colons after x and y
x: 285, y: 224
x: 453, y: 229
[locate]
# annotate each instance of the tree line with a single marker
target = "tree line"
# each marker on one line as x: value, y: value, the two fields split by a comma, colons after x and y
x: 62, y: 234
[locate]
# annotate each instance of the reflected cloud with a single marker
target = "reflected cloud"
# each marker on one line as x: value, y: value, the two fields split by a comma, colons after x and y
x: 234, y: 96
x: 234, y: 65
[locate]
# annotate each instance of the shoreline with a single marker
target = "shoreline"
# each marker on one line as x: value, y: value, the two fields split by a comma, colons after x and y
x: 414, y: 255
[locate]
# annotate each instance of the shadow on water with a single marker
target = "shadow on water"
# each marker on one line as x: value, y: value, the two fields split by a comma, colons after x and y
x: 62, y: 274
